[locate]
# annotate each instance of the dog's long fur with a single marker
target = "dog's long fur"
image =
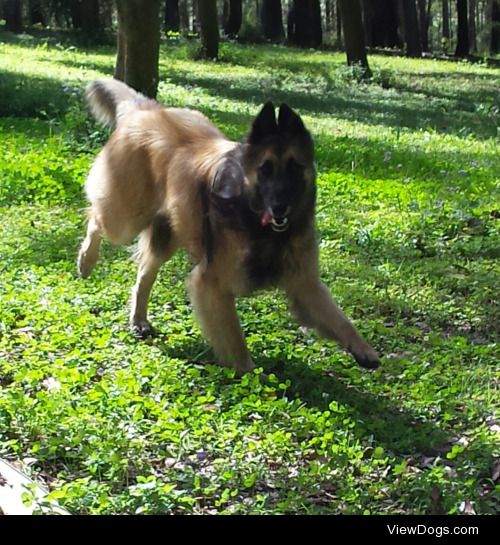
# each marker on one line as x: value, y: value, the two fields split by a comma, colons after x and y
x: 243, y: 212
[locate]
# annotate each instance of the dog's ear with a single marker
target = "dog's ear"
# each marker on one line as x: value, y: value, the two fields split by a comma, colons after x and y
x: 264, y: 124
x: 289, y: 121
x: 228, y: 180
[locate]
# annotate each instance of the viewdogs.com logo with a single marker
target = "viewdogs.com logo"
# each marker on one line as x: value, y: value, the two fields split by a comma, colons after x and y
x: 438, y: 531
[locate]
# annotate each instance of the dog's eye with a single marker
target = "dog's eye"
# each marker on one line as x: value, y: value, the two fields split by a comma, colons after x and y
x: 266, y: 169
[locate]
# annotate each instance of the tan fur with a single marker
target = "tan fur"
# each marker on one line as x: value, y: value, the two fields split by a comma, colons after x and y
x: 158, y: 161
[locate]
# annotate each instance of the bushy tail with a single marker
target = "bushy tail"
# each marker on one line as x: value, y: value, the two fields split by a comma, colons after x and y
x: 104, y: 97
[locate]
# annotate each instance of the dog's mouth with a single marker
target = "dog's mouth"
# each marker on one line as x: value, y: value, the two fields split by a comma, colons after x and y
x: 278, y: 225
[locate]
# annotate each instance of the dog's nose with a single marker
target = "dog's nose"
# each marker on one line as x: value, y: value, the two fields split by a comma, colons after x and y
x: 279, y: 211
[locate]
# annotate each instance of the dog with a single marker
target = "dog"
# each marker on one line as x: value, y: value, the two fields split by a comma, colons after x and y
x: 244, y: 212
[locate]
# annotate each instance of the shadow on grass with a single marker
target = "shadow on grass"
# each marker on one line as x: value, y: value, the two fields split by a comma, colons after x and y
x: 398, y: 430
x: 405, y: 110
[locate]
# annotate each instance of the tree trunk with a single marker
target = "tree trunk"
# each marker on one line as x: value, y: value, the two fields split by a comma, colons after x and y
x: 412, y: 34
x: 424, y: 12
x: 338, y: 41
x: 233, y: 17
x: 305, y: 20
x: 138, y: 44
x: 446, y: 19
x: 12, y: 13
x: 36, y: 12
x: 209, y: 29
x: 183, y: 17
x: 472, y: 26
x: 495, y: 27
x: 462, y: 49
x: 271, y: 19
x: 384, y: 23
x: 172, y: 18
x: 91, y: 22
x: 353, y: 35
x: 76, y: 14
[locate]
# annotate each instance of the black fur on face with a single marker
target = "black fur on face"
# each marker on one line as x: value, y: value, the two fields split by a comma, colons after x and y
x: 280, y: 153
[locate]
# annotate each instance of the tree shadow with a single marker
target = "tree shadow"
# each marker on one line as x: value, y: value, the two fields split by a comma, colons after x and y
x: 404, y: 110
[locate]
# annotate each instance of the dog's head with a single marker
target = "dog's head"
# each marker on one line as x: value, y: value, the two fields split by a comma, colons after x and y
x: 279, y: 165
x: 274, y: 170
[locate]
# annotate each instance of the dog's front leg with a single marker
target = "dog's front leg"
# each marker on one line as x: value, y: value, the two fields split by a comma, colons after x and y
x: 313, y: 305
x: 216, y: 311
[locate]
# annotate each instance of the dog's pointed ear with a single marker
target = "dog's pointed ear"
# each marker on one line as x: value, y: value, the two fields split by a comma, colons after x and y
x: 289, y: 121
x: 264, y: 124
x: 228, y: 180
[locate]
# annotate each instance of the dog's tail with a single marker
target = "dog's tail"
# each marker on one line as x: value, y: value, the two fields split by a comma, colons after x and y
x: 105, y: 97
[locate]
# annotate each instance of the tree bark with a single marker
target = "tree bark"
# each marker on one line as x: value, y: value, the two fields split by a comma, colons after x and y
x: 76, y: 13
x: 271, y: 19
x: 172, y: 17
x: 462, y: 49
x: 412, y: 34
x: 353, y: 35
x: 91, y: 21
x: 138, y: 44
x: 338, y: 41
x: 209, y: 29
x: 472, y: 26
x: 424, y: 18
x: 183, y: 17
x: 446, y: 19
x: 12, y: 12
x: 304, y: 23
x: 495, y: 27
x: 383, y: 20
x: 233, y: 17
x: 36, y: 13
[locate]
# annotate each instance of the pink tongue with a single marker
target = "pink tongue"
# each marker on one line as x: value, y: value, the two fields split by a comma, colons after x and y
x: 265, y: 219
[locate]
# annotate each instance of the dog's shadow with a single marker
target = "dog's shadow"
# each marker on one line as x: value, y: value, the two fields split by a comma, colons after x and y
x: 398, y: 430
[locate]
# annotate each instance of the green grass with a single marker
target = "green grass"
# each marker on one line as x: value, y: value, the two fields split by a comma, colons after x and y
x: 408, y: 224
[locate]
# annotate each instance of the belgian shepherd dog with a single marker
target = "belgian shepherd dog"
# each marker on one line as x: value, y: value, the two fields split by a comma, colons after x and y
x: 244, y: 212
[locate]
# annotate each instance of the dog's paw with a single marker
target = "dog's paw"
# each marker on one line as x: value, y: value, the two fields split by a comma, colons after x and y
x: 367, y: 358
x: 142, y: 329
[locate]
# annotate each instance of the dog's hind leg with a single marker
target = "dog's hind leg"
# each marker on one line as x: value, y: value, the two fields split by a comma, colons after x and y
x: 216, y: 312
x: 156, y: 245
x: 89, y: 250
x: 313, y: 305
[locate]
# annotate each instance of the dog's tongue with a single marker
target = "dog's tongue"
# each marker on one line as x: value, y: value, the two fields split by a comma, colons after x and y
x: 265, y: 219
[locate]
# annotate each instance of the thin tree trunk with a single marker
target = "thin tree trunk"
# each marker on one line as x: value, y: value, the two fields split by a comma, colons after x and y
x: 384, y: 23
x: 446, y: 19
x: 12, y: 12
x: 353, y: 35
x: 495, y: 27
x: 424, y: 12
x: 36, y: 12
x: 412, y: 34
x: 209, y: 29
x: 472, y: 26
x: 183, y: 17
x: 232, y: 18
x: 305, y: 18
x: 138, y: 44
x: 271, y: 19
x: 338, y: 41
x: 172, y: 19
x: 91, y: 22
x: 462, y: 49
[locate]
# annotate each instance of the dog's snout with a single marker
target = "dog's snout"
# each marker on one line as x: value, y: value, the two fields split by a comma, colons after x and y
x: 279, y: 210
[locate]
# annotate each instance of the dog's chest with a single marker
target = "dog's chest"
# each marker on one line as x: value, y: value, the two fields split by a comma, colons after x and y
x: 265, y: 260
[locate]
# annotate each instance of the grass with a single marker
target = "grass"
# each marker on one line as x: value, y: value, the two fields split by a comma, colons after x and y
x: 408, y: 226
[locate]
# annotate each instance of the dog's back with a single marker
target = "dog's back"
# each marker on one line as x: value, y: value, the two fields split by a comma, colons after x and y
x: 147, y: 164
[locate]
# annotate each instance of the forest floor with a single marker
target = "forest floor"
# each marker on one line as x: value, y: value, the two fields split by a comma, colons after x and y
x: 408, y: 222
